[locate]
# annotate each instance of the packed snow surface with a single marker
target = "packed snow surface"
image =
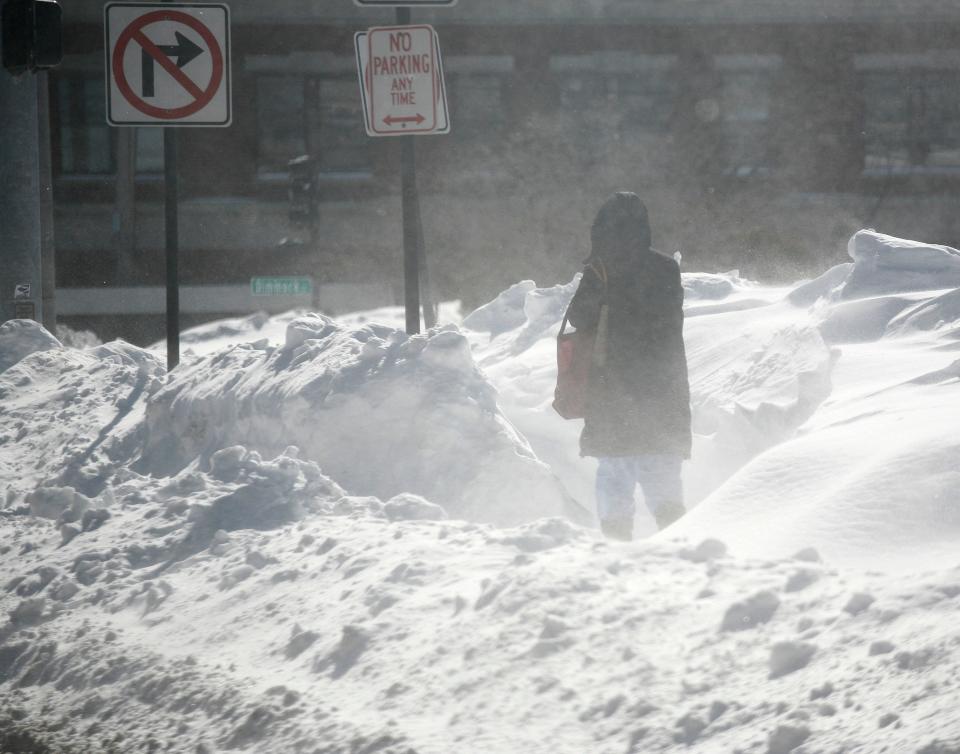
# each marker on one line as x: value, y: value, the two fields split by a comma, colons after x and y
x: 321, y: 535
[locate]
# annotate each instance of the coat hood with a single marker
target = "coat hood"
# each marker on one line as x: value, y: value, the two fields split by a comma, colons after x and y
x: 621, y: 229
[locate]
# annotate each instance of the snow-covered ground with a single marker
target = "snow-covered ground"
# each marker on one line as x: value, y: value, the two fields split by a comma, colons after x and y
x: 322, y: 535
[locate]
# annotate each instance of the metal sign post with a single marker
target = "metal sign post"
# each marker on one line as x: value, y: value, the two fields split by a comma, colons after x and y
x: 172, y: 231
x: 168, y: 64
x: 409, y: 212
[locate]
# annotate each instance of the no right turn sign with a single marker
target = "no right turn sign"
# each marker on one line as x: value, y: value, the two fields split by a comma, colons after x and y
x: 167, y: 64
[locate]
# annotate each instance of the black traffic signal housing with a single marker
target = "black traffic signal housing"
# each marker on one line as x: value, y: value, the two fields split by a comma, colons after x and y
x: 32, y: 35
x: 302, y: 190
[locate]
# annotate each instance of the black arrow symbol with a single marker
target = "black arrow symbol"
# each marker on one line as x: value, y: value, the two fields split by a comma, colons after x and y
x: 184, y: 51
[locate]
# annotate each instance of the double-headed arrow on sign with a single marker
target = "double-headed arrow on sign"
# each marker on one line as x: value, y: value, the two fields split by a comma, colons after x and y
x: 394, y: 119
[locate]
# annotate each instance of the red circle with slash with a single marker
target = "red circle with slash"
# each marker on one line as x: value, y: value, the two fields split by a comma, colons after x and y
x: 201, y: 97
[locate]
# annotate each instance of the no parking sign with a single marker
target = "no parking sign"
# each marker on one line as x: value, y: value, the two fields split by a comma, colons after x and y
x: 167, y: 64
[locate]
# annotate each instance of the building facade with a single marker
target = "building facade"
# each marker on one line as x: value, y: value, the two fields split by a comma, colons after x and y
x: 761, y: 134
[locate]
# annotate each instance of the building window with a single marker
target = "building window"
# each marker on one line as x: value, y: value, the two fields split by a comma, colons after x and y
x: 636, y: 91
x: 317, y: 116
x: 84, y: 140
x: 477, y: 102
x: 336, y: 134
x: 911, y: 120
x: 280, y: 122
x: 85, y: 144
x: 580, y: 91
x: 149, y: 150
x: 647, y: 99
x: 744, y: 104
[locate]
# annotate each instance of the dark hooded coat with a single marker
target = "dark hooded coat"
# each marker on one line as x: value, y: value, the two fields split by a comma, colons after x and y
x: 638, y: 398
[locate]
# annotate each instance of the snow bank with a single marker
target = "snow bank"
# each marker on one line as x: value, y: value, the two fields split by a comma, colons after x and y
x: 869, y: 470
x: 204, y: 339
x: 381, y: 412
x: 513, y: 340
x: 885, y: 264
x: 711, y: 286
x: 882, y: 265
x: 505, y: 312
x: 179, y: 576
x: 20, y: 338
x: 938, y: 313
x: 754, y: 380
x: 885, y: 291
x: 71, y: 416
x: 863, y: 320
x: 826, y: 285
x: 871, y: 477
x: 177, y: 625
x: 783, y: 385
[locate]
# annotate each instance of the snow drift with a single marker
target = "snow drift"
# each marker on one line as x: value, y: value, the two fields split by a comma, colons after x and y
x: 70, y: 416
x: 189, y: 621
x: 824, y: 414
x: 265, y: 550
x: 754, y: 380
x: 886, y: 264
x: 381, y: 412
x: 20, y: 338
x: 871, y: 469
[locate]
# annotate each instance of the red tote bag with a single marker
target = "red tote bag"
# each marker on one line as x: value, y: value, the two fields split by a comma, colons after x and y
x: 574, y: 357
x: 577, y: 352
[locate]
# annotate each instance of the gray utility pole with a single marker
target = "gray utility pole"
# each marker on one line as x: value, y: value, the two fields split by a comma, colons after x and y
x: 21, y: 229
x: 48, y: 249
x: 31, y: 41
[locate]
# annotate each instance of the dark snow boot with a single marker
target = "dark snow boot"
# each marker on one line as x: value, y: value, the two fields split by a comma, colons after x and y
x: 668, y: 513
x: 617, y: 528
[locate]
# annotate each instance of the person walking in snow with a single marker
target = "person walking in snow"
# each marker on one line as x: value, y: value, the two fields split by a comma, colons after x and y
x: 637, y: 414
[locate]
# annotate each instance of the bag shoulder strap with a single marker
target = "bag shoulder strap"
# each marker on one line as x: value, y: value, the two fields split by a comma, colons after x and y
x: 600, y: 270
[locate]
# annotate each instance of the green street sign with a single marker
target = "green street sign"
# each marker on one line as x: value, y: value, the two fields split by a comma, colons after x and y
x: 281, y: 286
